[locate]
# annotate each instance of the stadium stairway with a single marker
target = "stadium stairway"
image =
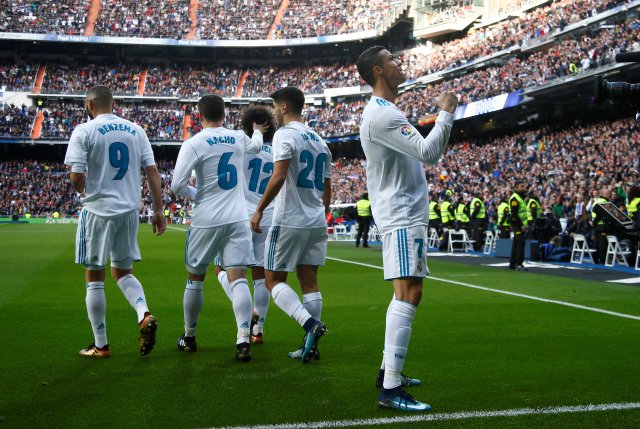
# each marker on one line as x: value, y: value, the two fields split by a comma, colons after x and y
x: 278, y: 19
x: 186, y: 124
x: 92, y: 17
x: 142, y: 82
x: 243, y: 79
x: 39, y: 78
x: 37, y: 126
x: 193, y: 16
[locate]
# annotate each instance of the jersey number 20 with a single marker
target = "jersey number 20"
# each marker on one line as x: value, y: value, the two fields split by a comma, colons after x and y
x: 320, y: 164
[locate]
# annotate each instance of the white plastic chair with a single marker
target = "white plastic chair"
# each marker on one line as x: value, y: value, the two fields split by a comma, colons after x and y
x: 489, y: 242
x: 580, y: 250
x: 340, y: 232
x: 615, y: 252
x: 434, y: 238
x: 461, y: 237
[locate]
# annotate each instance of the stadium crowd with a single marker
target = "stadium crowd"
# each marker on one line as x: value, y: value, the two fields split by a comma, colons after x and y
x: 78, y: 78
x: 16, y: 121
x: 146, y: 18
x: 161, y: 121
x: 186, y: 80
x: 17, y: 76
x: 50, y: 17
x: 236, y: 20
x: 486, y: 41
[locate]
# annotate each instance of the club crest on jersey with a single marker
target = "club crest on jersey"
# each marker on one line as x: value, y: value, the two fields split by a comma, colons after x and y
x: 407, y: 132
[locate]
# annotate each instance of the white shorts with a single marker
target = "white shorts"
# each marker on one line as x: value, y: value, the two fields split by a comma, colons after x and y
x: 99, y: 238
x: 286, y: 248
x: 259, y: 239
x: 404, y: 253
x: 232, y: 242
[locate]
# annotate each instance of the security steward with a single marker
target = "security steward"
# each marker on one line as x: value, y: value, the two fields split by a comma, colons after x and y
x: 447, y: 216
x: 363, y: 217
x: 462, y: 215
x: 477, y: 221
x: 533, y: 210
x: 600, y: 231
x: 519, y: 222
x: 633, y: 211
x: 435, y: 222
x: 504, y: 227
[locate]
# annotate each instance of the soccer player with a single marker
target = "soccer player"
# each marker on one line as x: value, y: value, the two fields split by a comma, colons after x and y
x: 219, y: 221
x: 106, y: 155
x: 395, y: 153
x: 257, y: 170
x: 297, y: 239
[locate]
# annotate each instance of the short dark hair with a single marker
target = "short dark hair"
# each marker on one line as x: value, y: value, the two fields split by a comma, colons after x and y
x: 260, y: 115
x: 367, y: 61
x: 291, y: 96
x: 101, y: 96
x: 211, y: 107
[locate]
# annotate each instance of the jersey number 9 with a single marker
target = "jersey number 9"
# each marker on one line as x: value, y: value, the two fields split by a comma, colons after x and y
x: 119, y: 158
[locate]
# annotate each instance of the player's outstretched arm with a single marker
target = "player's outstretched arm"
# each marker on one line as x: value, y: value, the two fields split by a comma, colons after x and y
x: 155, y: 186
x: 254, y: 144
x: 278, y: 177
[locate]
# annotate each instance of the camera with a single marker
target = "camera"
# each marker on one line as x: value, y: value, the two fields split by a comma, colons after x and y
x: 619, y: 91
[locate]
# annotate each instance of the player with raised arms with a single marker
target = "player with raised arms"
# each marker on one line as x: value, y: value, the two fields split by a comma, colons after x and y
x: 219, y: 222
x: 395, y: 153
x: 106, y: 155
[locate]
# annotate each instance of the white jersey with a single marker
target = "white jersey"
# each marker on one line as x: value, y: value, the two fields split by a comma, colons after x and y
x: 258, y: 169
x: 395, y: 153
x: 217, y: 156
x: 299, y: 202
x: 113, y: 150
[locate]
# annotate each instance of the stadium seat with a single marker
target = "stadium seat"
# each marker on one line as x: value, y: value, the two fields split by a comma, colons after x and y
x: 615, y: 253
x: 581, y: 250
x: 459, y: 241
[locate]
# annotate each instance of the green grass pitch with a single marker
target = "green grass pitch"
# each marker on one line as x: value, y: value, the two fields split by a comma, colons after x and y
x: 474, y: 350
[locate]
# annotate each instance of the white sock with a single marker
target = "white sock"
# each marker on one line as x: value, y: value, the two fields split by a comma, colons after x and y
x: 261, y: 299
x: 289, y: 302
x: 313, y: 303
x: 97, y: 310
x: 396, y: 341
x: 242, y: 306
x: 192, y: 304
x: 132, y: 290
x: 224, y: 282
x: 387, y: 324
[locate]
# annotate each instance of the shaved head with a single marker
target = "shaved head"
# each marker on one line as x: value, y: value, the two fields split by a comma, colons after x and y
x: 101, y: 97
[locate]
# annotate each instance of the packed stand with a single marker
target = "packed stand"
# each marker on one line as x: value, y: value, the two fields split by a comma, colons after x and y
x: 185, y: 80
x: 515, y: 32
x: 17, y: 76
x: 38, y: 188
x: 146, y: 18
x: 46, y: 17
x: 236, y: 20
x: 60, y: 119
x: 78, y: 79
x: 16, y: 121
x: 307, y: 18
x: 569, y: 57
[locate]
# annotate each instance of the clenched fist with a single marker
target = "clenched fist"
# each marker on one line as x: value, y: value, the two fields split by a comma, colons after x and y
x: 447, y: 102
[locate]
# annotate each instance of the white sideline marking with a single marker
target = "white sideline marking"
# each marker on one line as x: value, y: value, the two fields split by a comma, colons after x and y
x: 535, y: 298
x: 630, y: 281
x: 444, y: 416
x: 177, y: 229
